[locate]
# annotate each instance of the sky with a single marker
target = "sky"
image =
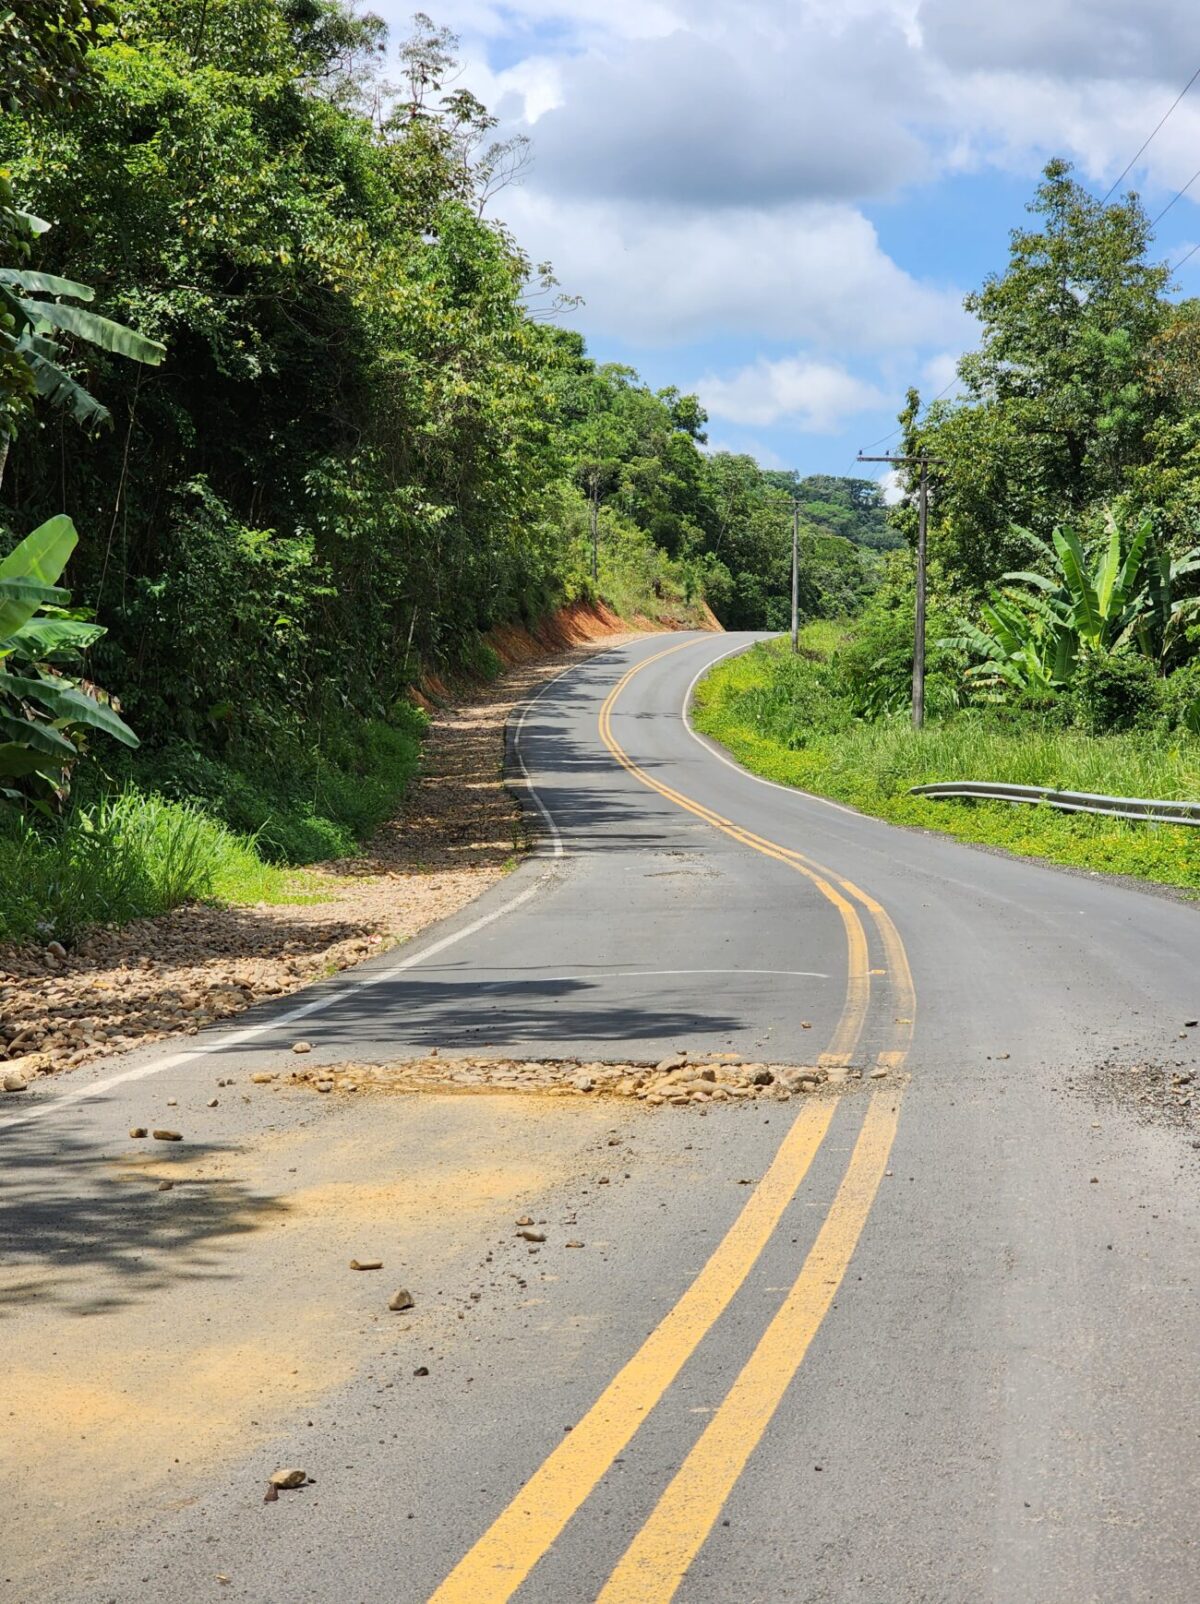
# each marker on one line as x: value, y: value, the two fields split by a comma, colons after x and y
x: 779, y: 204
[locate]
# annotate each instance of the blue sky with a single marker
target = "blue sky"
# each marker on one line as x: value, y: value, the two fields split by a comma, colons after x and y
x: 780, y: 203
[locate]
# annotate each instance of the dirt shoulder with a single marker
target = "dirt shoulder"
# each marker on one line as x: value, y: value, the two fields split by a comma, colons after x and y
x: 460, y: 831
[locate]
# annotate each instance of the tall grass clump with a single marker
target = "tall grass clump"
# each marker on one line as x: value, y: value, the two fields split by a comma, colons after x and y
x: 125, y: 857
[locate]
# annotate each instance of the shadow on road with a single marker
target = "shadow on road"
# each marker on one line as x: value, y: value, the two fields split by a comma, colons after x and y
x: 465, y: 1014
x: 90, y: 1231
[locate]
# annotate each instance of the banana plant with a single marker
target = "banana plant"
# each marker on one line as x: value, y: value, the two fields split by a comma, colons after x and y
x: 44, y: 709
x: 40, y: 310
x: 1118, y: 596
x: 36, y: 311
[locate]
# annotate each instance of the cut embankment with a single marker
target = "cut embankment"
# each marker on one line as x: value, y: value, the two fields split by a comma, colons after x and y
x: 783, y: 719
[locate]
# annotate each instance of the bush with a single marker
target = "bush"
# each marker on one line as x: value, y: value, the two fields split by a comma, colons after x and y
x: 1113, y: 691
x: 1179, y: 698
x: 302, y: 801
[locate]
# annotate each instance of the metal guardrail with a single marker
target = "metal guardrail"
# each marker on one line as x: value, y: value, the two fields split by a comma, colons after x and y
x: 1117, y: 807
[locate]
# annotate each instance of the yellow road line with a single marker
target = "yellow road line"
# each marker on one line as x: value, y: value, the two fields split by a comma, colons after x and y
x: 502, y: 1558
x: 657, y: 1560
x: 858, y: 981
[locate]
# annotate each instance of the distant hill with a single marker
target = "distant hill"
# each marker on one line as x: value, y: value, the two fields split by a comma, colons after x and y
x: 852, y: 508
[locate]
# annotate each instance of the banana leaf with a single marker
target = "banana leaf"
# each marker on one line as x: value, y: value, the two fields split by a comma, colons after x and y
x: 45, y: 284
x: 43, y: 638
x: 97, y: 330
x: 43, y: 739
x: 67, y: 704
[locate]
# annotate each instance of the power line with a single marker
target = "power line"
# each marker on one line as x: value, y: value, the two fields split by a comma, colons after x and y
x: 1146, y: 142
x: 1186, y: 257
x: 892, y: 433
x: 1178, y: 195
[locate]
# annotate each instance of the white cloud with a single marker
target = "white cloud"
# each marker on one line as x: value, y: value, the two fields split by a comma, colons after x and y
x: 664, y: 275
x: 892, y: 486
x: 766, y: 456
x: 816, y: 397
x: 700, y: 167
x: 940, y: 372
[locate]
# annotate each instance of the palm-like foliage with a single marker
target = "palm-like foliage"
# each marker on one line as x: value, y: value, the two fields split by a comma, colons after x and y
x: 1118, y: 595
x: 43, y: 708
x: 36, y: 309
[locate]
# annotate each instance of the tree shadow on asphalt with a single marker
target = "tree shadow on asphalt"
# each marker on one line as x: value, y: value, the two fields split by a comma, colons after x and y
x: 469, y: 1013
x: 84, y: 1227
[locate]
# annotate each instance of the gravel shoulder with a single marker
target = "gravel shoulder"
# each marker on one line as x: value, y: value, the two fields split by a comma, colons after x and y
x: 460, y: 831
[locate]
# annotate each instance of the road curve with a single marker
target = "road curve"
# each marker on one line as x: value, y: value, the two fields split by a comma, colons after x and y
x: 933, y: 1340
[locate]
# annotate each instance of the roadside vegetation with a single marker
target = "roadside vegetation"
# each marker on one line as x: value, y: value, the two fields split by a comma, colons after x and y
x: 797, y: 721
x: 1064, y: 584
x: 269, y: 354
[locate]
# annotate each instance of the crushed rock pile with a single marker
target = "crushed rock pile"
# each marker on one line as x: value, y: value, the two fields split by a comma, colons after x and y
x: 715, y: 1078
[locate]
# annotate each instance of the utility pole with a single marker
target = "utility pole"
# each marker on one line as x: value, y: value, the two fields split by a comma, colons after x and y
x: 918, y: 679
x: 795, y: 577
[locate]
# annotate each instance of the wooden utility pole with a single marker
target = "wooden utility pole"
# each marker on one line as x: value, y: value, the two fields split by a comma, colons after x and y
x: 795, y: 577
x: 918, y: 678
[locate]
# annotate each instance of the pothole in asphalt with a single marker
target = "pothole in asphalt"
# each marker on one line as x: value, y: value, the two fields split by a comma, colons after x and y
x: 676, y: 1081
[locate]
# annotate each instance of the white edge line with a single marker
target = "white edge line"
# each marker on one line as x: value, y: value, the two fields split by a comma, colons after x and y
x: 714, y: 751
x: 318, y: 1004
x: 558, y: 850
x: 236, y: 1038
x: 250, y: 1032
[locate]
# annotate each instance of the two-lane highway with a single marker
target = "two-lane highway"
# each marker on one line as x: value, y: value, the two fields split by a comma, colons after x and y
x: 934, y: 1340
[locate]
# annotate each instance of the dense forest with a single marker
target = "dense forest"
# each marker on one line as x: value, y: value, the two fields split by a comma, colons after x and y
x: 314, y: 417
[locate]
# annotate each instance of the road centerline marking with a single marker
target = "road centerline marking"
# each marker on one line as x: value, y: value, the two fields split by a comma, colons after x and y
x: 655, y: 1563
x: 498, y: 1563
x: 502, y: 1558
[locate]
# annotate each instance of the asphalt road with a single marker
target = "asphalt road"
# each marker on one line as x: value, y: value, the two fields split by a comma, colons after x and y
x: 932, y: 1340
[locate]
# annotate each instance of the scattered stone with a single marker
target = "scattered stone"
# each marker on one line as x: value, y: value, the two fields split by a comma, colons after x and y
x: 166, y: 1186
x: 573, y: 1244
x: 56, y: 950
x: 167, y: 1136
x: 302, y: 1047
x: 880, y: 1073
x: 421, y: 1370
x: 214, y: 1102
x: 668, y: 1064
x: 524, y: 1219
x: 762, y: 1076
x: 584, y: 1083
x: 324, y: 1085
x: 14, y: 1081
x: 366, y: 1264
x: 288, y: 1478
x: 262, y: 1077
x: 137, y: 1131
x: 532, y: 1236
x: 400, y: 1301
x: 172, y: 1102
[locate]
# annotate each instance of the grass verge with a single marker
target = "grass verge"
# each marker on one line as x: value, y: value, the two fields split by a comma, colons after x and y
x: 782, y: 718
x: 179, y: 825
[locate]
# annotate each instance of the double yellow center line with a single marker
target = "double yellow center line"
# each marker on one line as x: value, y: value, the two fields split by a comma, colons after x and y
x: 655, y: 1563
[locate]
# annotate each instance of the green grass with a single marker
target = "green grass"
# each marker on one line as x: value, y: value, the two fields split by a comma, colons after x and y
x: 784, y: 720
x: 179, y: 825
x: 304, y: 796
x: 125, y: 857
